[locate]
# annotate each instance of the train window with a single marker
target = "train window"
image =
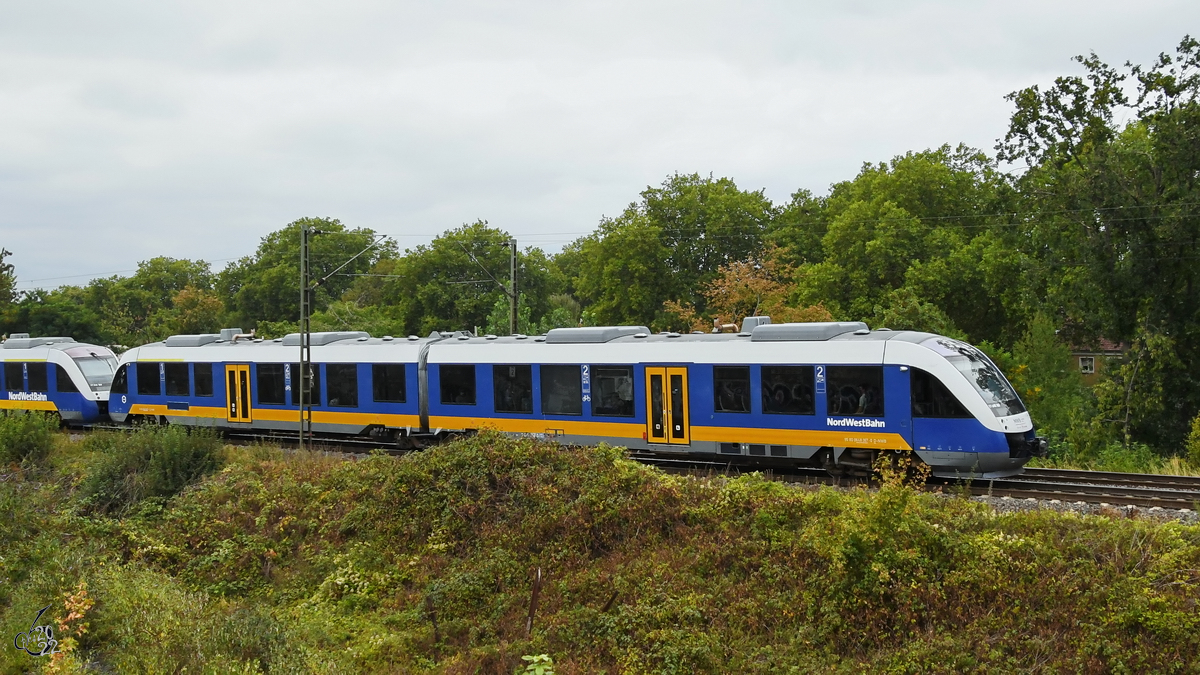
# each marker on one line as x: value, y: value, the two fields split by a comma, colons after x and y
x: 37, y: 377
x: 120, y: 383
x: 62, y: 381
x: 341, y: 384
x: 931, y: 398
x: 788, y: 390
x: 513, y: 387
x: 312, y: 379
x: 177, y: 379
x: 271, y: 387
x: 731, y: 389
x: 458, y: 384
x: 14, y: 376
x: 202, y: 374
x: 562, y: 390
x: 856, y: 390
x: 147, y: 379
x: 387, y: 382
x: 612, y: 391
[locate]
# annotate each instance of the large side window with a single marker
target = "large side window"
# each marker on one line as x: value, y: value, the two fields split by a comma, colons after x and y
x: 787, y: 390
x: 14, y: 376
x: 312, y: 378
x: 341, y: 384
x: 177, y: 379
x: 147, y: 379
x: 731, y: 389
x: 612, y: 391
x: 271, y: 390
x: 120, y: 383
x: 203, y: 376
x: 562, y: 390
x: 931, y: 398
x: 38, y: 381
x: 62, y: 381
x: 457, y: 384
x: 856, y: 390
x: 387, y: 382
x: 513, y: 387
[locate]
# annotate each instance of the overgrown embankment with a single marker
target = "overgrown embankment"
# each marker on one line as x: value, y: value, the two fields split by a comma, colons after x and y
x: 287, y: 562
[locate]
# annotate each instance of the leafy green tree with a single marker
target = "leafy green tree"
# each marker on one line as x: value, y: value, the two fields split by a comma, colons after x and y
x: 1132, y: 397
x: 666, y: 247
x: 798, y: 228
x: 8, y: 280
x: 927, y: 222
x: 1046, y: 380
x: 141, y: 308
x: 53, y: 313
x: 902, y: 309
x: 454, y: 282
x: 1108, y: 218
x: 624, y: 276
x: 266, y: 285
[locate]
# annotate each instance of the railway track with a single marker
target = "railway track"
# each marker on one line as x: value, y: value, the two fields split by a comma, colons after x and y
x: 1063, y: 485
x: 1097, y: 487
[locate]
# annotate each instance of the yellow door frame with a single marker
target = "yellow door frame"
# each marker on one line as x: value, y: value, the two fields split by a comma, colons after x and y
x: 667, y: 405
x: 237, y: 393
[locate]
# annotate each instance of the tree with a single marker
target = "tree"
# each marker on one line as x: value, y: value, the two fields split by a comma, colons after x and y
x: 141, y: 308
x: 1107, y: 215
x: 755, y: 287
x: 266, y: 286
x: 8, y: 280
x: 454, y: 282
x: 43, y: 313
x: 1049, y: 385
x: 666, y: 247
x: 928, y: 222
x: 624, y: 276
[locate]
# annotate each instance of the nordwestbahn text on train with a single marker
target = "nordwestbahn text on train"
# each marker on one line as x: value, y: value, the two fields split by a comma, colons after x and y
x: 826, y: 394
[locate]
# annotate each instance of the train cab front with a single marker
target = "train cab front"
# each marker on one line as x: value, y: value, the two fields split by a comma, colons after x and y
x: 1003, y: 439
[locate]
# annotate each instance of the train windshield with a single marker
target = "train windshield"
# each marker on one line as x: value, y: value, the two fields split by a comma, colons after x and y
x: 983, y: 375
x: 98, y: 369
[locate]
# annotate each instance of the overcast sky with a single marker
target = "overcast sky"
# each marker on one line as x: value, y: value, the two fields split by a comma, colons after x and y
x: 130, y: 130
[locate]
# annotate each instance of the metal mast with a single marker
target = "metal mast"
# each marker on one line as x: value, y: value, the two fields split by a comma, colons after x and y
x: 302, y: 379
x: 512, y: 287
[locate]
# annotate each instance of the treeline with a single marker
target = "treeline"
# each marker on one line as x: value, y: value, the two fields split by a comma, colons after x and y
x: 1093, y: 235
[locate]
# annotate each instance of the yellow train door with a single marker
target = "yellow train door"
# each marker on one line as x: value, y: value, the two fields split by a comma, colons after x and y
x: 667, y: 406
x: 237, y: 392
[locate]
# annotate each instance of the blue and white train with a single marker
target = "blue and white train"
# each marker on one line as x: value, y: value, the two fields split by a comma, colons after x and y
x: 833, y: 395
x: 56, y: 375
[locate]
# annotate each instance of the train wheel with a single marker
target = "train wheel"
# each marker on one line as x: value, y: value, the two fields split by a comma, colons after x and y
x: 403, y: 442
x: 825, y: 458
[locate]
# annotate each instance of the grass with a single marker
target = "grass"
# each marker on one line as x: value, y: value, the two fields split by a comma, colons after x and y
x: 290, y: 562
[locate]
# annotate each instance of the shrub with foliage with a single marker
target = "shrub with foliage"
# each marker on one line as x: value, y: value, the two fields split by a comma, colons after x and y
x: 152, y: 461
x: 26, y: 438
x: 291, y: 562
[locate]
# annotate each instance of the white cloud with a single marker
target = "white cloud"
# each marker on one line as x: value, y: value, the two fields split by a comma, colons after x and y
x: 129, y: 130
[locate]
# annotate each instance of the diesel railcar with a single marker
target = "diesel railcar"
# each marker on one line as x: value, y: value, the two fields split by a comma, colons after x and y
x: 825, y: 394
x: 56, y: 375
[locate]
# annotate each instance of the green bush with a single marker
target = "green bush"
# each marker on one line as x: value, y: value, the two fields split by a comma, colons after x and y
x: 150, y: 462
x: 26, y: 437
x: 1192, y: 448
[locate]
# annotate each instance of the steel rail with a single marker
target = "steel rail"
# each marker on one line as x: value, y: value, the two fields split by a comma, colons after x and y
x: 1096, y: 487
x: 1110, y: 478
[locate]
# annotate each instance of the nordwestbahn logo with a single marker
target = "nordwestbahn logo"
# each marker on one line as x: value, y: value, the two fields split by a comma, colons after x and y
x: 855, y: 422
x: 26, y: 396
